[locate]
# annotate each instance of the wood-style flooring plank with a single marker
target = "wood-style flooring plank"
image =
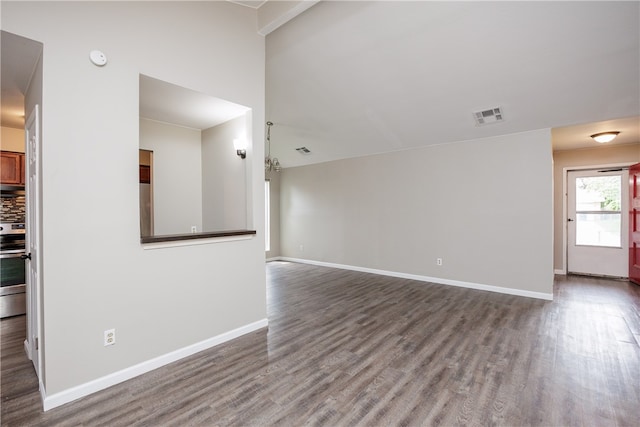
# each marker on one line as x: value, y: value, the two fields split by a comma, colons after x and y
x: 345, y: 348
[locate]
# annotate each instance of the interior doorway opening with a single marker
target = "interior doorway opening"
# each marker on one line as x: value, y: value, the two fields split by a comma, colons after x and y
x: 22, y: 88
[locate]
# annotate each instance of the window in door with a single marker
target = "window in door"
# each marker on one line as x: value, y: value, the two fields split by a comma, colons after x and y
x: 598, y: 211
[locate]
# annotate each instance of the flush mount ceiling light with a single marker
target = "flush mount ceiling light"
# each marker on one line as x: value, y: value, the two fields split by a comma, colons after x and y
x: 603, y: 137
x: 270, y: 164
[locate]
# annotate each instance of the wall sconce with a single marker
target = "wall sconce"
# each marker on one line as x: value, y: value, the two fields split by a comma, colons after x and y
x: 240, y: 144
x: 603, y: 137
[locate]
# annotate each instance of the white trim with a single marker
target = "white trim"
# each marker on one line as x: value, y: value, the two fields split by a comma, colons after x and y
x: 66, y: 396
x: 275, y: 258
x: 33, y: 187
x: 470, y: 285
x: 43, y: 392
x: 286, y: 17
x: 558, y: 271
x: 267, y: 215
x: 565, y: 191
x: 563, y: 220
x: 194, y: 242
x: 27, y: 349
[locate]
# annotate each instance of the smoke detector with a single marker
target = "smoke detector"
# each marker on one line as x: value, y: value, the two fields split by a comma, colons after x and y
x: 303, y: 150
x: 485, y: 117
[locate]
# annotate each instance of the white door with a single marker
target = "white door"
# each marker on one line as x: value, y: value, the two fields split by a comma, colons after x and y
x: 32, y: 163
x: 597, y: 230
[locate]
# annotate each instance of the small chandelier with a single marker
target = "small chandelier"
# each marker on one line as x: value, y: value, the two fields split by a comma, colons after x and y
x: 270, y: 164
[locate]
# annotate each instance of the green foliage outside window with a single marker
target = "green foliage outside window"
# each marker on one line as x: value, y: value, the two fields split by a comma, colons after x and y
x: 607, y: 186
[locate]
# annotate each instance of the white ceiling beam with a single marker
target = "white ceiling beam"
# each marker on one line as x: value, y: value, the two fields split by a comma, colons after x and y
x: 273, y: 14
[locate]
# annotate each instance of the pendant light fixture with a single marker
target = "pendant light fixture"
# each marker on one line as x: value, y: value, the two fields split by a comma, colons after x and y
x: 270, y: 164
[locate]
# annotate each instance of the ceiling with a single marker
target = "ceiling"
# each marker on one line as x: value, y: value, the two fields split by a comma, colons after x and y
x: 249, y: 3
x: 347, y: 79
x: 579, y: 136
x: 17, y: 65
x: 168, y: 103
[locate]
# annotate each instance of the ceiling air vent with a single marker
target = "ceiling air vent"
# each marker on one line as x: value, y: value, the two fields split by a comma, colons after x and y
x: 488, y: 116
x: 303, y: 150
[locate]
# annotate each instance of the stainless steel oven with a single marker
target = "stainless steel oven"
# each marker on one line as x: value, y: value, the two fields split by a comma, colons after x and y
x: 12, y: 269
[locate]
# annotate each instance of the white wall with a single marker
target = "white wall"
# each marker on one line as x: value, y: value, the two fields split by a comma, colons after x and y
x: 224, y: 201
x: 177, y: 176
x: 484, y: 206
x: 98, y: 276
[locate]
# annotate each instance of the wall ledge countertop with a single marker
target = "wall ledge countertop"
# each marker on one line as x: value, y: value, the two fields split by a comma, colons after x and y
x: 195, y: 236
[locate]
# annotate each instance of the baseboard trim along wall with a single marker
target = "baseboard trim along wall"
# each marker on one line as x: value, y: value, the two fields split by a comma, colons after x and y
x: 27, y: 349
x: 43, y: 394
x: 66, y: 396
x: 458, y: 283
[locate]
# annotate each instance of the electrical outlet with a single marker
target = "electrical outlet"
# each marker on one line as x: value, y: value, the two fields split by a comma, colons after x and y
x: 194, y: 229
x: 109, y: 337
x: 438, y: 261
x: 301, y: 248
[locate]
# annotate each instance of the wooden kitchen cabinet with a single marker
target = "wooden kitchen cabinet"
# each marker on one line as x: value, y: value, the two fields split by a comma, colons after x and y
x: 11, y: 168
x: 145, y: 174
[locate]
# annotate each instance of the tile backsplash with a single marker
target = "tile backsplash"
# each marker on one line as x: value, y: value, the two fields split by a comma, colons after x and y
x: 13, y: 209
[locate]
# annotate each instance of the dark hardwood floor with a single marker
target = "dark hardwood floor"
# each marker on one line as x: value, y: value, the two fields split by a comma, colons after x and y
x: 353, y: 349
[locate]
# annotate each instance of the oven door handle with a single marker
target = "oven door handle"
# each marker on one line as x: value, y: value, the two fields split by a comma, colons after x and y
x: 18, y: 253
x: 26, y: 256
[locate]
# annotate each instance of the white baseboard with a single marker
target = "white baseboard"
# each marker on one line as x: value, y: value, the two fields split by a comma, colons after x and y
x: 27, y: 349
x: 560, y: 271
x: 43, y: 394
x: 66, y: 396
x: 470, y: 285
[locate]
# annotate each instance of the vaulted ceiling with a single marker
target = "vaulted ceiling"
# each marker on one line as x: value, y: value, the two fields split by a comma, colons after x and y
x: 348, y: 79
